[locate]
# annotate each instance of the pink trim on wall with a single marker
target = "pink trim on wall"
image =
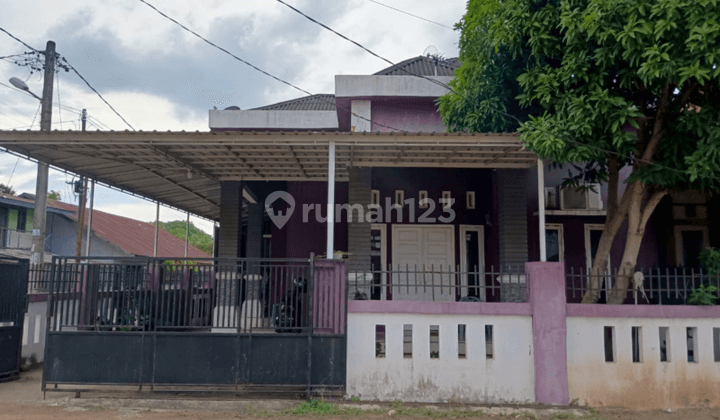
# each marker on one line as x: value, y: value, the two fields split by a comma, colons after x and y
x: 642, y: 311
x: 438, y: 308
x: 546, y: 287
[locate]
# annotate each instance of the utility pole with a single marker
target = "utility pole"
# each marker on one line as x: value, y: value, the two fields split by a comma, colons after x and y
x: 81, y: 205
x: 39, y: 215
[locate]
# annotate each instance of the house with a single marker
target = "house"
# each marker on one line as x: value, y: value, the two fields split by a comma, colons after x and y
x: 112, y: 235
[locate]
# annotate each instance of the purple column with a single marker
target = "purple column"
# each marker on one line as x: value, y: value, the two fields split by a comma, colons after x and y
x: 546, y: 291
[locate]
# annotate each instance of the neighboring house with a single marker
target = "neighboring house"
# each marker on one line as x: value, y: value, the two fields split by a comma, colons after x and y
x: 112, y: 235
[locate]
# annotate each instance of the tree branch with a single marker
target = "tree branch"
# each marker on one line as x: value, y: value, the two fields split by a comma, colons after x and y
x: 659, y: 125
x: 650, y: 206
x: 613, y: 179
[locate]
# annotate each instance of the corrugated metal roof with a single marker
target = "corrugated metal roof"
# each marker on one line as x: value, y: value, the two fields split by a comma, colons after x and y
x: 26, y: 203
x: 422, y: 66
x: 185, y: 169
x: 320, y: 102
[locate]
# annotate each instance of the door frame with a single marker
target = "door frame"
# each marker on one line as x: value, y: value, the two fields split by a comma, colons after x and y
x: 677, y: 232
x: 394, y: 238
x: 464, y: 229
x: 382, y: 227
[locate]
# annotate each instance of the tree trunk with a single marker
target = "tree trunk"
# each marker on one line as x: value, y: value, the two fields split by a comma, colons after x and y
x: 638, y: 217
x: 616, y: 217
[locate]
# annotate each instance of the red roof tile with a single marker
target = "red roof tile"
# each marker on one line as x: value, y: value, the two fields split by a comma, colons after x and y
x: 133, y: 236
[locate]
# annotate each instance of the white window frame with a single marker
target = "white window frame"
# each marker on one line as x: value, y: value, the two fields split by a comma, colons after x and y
x: 678, y: 230
x: 464, y: 229
x: 374, y: 199
x: 423, y: 195
x: 470, y: 200
x: 561, y: 237
x: 383, y: 256
x: 446, y: 199
x: 588, y: 248
x: 399, y: 198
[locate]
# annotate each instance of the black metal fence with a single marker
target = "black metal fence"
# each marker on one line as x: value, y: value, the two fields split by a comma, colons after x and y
x: 39, y: 278
x: 655, y: 286
x: 195, y: 322
x: 436, y: 283
x: 13, y: 303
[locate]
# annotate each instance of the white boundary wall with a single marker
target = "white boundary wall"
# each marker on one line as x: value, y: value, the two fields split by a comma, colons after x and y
x: 649, y: 383
x: 508, y: 377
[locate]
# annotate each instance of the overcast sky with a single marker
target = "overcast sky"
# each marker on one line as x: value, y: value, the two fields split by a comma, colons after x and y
x: 160, y: 77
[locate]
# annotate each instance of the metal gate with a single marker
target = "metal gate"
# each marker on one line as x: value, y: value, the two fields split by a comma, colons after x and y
x: 13, y: 303
x: 196, y: 322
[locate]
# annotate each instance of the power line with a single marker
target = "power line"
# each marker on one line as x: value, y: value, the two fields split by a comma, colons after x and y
x: 18, y: 40
x: 577, y: 143
x: 257, y: 68
x: 410, y: 14
x: 96, y: 92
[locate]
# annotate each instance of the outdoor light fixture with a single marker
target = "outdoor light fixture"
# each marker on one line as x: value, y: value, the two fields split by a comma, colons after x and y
x: 18, y: 83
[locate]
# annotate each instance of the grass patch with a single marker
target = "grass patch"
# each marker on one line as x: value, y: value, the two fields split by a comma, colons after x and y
x: 325, y: 408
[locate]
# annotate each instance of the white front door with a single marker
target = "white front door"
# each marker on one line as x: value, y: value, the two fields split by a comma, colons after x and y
x: 423, y: 257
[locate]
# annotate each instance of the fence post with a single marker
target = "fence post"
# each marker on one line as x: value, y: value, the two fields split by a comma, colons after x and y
x: 546, y: 289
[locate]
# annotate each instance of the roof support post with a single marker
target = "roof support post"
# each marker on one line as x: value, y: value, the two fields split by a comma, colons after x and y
x: 541, y: 208
x: 88, y: 238
x: 330, y: 251
x: 157, y: 226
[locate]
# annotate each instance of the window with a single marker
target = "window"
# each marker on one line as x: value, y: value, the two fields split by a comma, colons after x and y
x: 636, y: 337
x: 716, y: 343
x: 423, y: 199
x: 446, y: 199
x: 399, y: 198
x: 489, y: 353
x: 374, y: 198
x: 689, y: 242
x: 434, y: 341
x: 554, y: 244
x: 692, y: 345
x: 462, y: 343
x: 379, y: 340
x: 407, y: 341
x: 664, y: 344
x: 609, y: 337
x: 470, y: 200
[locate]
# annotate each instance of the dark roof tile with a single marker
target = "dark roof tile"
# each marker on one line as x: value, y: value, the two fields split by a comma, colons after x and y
x: 422, y: 66
x: 321, y: 102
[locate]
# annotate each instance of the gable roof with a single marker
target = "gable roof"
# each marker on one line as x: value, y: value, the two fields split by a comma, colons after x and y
x: 421, y: 66
x: 320, y: 102
x: 14, y: 201
x: 130, y: 235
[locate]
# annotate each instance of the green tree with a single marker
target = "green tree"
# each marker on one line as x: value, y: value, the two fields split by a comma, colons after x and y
x: 198, y: 238
x: 54, y: 195
x: 7, y: 189
x: 596, y: 68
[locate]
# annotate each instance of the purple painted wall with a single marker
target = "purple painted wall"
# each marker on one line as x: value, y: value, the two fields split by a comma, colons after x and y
x: 411, y: 114
x: 546, y: 291
x: 435, y: 181
x: 298, y: 239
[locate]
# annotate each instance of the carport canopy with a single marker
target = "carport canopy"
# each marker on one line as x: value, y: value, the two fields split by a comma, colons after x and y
x: 184, y: 169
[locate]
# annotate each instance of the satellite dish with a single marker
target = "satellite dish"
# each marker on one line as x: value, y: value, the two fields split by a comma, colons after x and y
x: 430, y: 51
x: 232, y: 108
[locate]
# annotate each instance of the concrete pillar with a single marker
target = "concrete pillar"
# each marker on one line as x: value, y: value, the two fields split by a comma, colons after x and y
x: 546, y: 289
x: 512, y: 231
x: 254, y: 230
x: 229, y: 244
x: 359, y: 187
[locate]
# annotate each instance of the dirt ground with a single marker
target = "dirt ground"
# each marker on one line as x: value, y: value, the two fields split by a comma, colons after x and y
x: 23, y: 399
